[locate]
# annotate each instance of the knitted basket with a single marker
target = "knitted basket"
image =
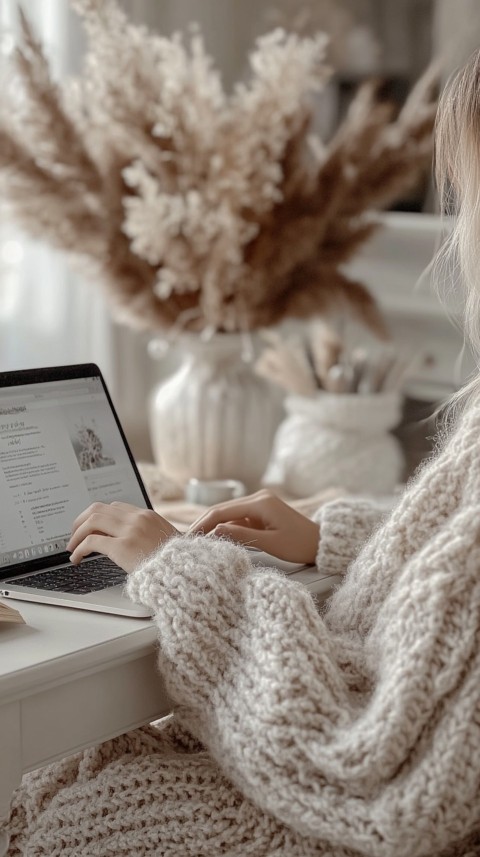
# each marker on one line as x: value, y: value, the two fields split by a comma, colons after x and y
x: 338, y: 440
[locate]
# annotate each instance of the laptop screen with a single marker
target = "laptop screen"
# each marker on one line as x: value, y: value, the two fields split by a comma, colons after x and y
x: 60, y: 450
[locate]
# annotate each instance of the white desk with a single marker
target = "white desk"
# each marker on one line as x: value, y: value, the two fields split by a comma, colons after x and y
x: 70, y: 679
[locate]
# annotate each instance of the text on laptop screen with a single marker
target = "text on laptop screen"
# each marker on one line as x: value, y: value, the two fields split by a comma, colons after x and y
x: 60, y: 451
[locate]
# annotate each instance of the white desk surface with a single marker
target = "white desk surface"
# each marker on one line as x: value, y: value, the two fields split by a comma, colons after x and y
x: 57, y: 640
x: 70, y: 679
x: 53, y: 633
x: 60, y: 640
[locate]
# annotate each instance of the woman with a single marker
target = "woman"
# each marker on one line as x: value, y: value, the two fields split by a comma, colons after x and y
x: 352, y: 733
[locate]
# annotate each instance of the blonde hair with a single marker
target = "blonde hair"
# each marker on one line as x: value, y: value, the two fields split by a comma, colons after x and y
x: 457, y: 170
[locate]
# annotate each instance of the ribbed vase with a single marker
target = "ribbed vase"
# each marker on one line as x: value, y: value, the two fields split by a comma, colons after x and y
x: 214, y: 418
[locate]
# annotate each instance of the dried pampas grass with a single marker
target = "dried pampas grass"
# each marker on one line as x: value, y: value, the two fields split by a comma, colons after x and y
x: 187, y: 203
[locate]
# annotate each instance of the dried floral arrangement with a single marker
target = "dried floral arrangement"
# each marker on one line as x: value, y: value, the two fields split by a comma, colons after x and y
x: 191, y: 205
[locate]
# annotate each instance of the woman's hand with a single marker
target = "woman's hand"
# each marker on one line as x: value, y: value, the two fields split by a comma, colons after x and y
x: 266, y: 522
x: 124, y: 533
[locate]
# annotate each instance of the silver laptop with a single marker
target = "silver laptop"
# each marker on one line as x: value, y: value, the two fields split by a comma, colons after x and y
x: 61, y: 448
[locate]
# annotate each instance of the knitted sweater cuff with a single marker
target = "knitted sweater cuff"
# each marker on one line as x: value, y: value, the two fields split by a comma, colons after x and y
x: 345, y: 526
x: 182, y: 565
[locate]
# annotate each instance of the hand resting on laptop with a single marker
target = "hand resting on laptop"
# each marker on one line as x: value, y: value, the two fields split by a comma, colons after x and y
x: 263, y: 521
x: 126, y: 533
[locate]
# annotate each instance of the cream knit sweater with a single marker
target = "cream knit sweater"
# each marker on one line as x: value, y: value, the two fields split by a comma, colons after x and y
x: 355, y: 732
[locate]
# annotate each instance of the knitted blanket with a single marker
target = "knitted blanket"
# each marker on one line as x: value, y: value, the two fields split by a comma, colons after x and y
x: 355, y: 732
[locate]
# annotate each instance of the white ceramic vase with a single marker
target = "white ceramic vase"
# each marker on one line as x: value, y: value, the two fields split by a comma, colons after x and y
x: 338, y: 440
x: 214, y: 418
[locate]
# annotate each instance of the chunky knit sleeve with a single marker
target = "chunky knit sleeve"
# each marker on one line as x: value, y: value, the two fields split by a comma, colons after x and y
x: 345, y: 525
x: 384, y: 765
x: 418, y: 516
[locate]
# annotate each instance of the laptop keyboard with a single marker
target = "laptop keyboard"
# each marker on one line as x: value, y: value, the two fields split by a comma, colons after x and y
x: 90, y: 576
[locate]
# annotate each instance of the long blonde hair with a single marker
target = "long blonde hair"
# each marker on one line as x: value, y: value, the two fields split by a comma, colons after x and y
x: 457, y: 170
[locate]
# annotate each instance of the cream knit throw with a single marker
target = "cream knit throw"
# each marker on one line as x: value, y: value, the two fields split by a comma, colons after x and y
x: 352, y: 733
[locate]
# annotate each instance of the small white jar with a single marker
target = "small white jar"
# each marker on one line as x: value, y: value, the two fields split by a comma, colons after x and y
x: 338, y: 440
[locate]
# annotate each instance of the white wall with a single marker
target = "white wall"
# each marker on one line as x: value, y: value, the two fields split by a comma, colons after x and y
x: 394, y: 265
